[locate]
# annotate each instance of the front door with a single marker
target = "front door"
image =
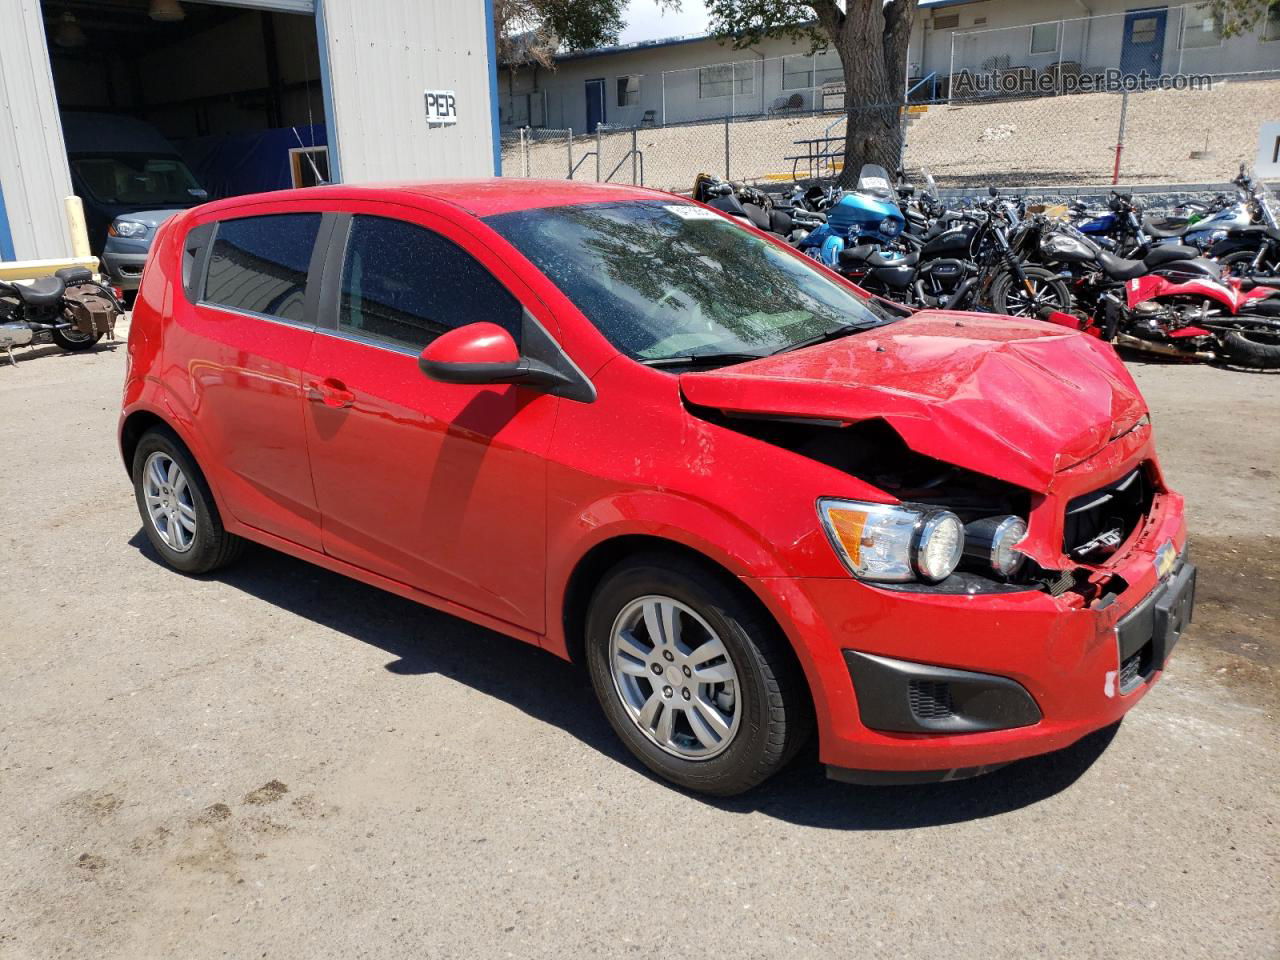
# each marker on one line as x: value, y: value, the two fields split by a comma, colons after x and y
x: 438, y: 486
x: 595, y: 104
x: 1143, y: 42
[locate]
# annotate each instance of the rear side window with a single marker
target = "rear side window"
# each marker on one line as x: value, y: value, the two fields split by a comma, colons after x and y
x: 406, y: 285
x: 259, y: 264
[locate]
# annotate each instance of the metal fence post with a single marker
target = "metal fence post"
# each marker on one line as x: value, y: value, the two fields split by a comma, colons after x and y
x: 726, y: 149
x: 664, y: 98
x: 598, y: 135
x: 634, y: 131
x: 569, y: 176
x: 524, y: 152
x: 1124, y: 109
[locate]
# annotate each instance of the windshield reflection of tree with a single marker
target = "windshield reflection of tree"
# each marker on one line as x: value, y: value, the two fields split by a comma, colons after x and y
x: 703, y: 276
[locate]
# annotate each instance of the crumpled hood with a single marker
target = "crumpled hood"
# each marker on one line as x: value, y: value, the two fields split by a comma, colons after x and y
x: 1012, y: 399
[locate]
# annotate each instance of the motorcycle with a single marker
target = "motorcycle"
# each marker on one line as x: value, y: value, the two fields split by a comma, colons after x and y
x: 755, y: 207
x: 1253, y: 251
x: 1171, y: 302
x: 966, y: 261
x: 70, y: 309
x: 868, y: 214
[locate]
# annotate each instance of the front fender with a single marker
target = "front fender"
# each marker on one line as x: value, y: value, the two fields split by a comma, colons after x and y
x: 675, y: 518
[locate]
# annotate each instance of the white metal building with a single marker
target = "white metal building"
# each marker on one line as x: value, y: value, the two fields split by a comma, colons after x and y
x: 696, y: 78
x: 358, y: 70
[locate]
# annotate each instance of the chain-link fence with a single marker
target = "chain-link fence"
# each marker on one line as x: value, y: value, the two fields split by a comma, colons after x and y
x: 1197, y: 134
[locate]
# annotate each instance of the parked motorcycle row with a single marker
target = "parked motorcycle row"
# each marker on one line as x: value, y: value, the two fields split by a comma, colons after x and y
x: 1202, y: 284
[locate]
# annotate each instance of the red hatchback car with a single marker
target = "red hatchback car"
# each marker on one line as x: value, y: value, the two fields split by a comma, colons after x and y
x: 617, y: 424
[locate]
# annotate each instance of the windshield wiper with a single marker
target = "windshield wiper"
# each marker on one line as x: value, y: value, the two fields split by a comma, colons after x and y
x: 826, y: 335
x: 690, y: 359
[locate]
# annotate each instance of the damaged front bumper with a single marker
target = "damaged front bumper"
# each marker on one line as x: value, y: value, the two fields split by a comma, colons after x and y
x: 917, y: 685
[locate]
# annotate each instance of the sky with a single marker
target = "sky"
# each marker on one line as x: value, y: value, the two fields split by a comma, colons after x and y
x: 646, y: 22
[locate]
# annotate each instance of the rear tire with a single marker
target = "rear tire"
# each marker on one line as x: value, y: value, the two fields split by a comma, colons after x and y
x: 75, y: 341
x: 1010, y: 298
x: 1240, y: 264
x: 717, y: 724
x: 178, y: 512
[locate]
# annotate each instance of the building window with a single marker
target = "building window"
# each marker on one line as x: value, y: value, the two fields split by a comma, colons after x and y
x: 803, y: 72
x: 309, y: 166
x: 726, y: 79
x: 1201, y: 29
x: 946, y: 21
x: 628, y: 91
x: 1271, y: 24
x: 1044, y: 38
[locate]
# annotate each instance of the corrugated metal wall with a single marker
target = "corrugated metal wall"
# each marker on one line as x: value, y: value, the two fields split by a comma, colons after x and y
x: 382, y: 57
x: 33, y: 160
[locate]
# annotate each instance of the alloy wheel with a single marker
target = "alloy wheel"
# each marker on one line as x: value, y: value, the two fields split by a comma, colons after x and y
x: 1021, y: 302
x: 169, y: 503
x: 675, y: 677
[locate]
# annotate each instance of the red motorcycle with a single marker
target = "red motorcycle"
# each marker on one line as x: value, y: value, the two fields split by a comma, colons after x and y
x: 1171, y: 303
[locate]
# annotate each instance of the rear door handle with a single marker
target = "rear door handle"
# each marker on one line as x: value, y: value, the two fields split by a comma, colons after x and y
x: 330, y: 392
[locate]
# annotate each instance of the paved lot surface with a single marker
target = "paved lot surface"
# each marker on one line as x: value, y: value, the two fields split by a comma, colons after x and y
x: 279, y: 762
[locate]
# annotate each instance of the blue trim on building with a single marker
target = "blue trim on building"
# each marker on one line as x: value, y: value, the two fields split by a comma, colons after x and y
x: 6, y: 236
x: 493, y: 86
x: 326, y: 89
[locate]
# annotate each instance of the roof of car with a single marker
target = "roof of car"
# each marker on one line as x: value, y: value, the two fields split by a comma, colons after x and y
x: 480, y: 197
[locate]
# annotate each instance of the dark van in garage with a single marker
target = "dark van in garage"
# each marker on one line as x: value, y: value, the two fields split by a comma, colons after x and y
x: 131, y: 180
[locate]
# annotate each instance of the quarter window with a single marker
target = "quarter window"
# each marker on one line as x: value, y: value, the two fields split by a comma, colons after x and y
x: 259, y: 264
x: 406, y: 285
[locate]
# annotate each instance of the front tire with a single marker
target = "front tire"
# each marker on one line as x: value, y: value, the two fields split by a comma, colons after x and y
x: 1256, y: 346
x: 697, y: 681
x: 178, y: 513
x: 1048, y: 292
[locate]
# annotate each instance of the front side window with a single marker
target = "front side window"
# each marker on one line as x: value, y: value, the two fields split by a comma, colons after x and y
x: 259, y: 264
x: 672, y: 280
x: 405, y: 285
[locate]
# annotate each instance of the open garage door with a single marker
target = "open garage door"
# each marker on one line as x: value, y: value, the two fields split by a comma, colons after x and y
x: 167, y: 103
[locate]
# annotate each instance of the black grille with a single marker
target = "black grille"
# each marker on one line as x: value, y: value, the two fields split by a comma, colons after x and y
x: 1097, y: 523
x: 930, y: 699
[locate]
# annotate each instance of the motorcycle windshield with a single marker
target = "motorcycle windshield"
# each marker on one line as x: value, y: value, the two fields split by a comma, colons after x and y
x: 873, y: 180
x: 1270, y: 206
x: 930, y: 186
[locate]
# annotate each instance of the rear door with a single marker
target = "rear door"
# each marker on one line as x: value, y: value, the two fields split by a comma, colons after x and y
x: 236, y: 352
x: 439, y: 486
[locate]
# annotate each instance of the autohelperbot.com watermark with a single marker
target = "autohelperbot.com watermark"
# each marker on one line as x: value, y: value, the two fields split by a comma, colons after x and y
x: 1014, y: 81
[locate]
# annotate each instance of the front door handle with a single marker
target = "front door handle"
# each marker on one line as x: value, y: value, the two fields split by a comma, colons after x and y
x: 330, y: 392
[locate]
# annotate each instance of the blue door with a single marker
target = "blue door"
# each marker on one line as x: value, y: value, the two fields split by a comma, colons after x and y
x: 595, y: 104
x: 1143, y: 42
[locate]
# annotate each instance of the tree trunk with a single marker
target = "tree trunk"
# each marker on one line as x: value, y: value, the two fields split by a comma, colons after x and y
x: 871, y: 38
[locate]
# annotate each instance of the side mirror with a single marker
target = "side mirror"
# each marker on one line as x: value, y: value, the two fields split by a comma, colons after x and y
x: 483, y: 353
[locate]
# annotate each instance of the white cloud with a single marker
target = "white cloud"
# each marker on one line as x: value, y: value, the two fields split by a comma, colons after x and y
x: 645, y: 21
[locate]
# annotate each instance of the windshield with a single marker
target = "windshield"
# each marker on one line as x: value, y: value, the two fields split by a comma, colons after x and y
x: 873, y: 180
x: 143, y: 181
x: 666, y: 280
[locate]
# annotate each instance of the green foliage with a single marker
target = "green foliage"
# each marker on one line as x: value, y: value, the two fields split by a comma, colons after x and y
x: 532, y: 31
x: 1239, y: 16
x: 744, y: 23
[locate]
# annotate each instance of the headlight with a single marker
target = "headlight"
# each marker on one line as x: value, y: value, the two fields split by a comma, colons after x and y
x: 994, y: 541
x: 127, y: 228
x: 890, y: 227
x: 893, y: 544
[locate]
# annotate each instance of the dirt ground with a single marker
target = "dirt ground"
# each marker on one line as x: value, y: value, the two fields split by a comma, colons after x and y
x: 278, y: 762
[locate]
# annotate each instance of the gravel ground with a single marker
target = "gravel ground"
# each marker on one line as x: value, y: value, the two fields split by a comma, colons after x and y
x: 1067, y: 140
x: 278, y: 762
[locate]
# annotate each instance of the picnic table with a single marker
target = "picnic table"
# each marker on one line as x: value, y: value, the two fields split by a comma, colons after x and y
x: 817, y: 152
